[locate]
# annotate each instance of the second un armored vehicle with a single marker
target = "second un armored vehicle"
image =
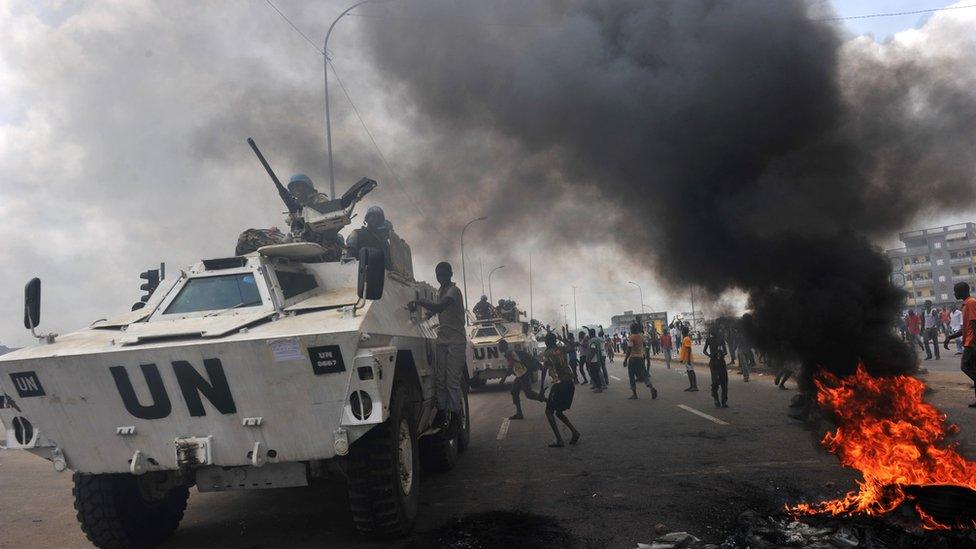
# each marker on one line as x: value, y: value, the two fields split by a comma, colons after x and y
x: 483, y: 357
x: 267, y: 370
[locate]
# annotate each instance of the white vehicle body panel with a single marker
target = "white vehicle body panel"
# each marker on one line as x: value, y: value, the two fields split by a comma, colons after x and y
x: 265, y: 354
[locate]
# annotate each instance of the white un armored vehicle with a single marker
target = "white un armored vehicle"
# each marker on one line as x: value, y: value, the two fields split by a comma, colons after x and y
x: 483, y: 357
x: 266, y: 370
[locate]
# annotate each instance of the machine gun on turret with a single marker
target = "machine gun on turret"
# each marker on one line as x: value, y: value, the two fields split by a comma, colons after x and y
x: 297, y: 223
x: 319, y: 222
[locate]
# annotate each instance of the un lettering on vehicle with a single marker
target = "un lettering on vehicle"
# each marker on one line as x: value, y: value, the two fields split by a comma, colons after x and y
x: 482, y: 353
x: 27, y: 384
x: 192, y: 385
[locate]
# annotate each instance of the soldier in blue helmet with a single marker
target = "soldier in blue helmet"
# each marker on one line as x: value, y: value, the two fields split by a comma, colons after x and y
x: 302, y: 188
x: 375, y: 233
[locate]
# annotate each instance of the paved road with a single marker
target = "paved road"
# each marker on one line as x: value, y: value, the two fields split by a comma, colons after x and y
x: 676, y: 460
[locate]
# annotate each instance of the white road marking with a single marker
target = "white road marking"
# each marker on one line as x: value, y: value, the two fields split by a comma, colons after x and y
x: 615, y: 378
x: 503, y: 430
x: 701, y: 414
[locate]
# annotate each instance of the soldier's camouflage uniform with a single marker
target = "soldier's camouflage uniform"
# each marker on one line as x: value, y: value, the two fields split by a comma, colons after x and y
x: 252, y: 239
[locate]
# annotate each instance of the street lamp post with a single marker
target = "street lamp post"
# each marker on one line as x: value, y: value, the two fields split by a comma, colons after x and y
x: 491, y: 297
x: 328, y: 117
x: 639, y: 289
x: 464, y: 278
x: 575, y: 318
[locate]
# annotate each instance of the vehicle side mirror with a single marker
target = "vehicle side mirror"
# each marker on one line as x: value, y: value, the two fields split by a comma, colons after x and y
x: 32, y: 304
x: 372, y: 273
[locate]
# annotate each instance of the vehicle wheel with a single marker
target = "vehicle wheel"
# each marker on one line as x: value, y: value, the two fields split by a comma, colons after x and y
x: 122, y: 510
x: 477, y: 382
x: 384, y: 475
x: 464, y: 434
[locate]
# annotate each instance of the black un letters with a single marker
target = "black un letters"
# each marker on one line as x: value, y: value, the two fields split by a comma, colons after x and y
x: 192, y: 384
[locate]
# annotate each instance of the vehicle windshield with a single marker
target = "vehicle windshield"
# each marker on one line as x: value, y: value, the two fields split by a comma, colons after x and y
x: 489, y: 331
x: 293, y: 284
x: 216, y: 293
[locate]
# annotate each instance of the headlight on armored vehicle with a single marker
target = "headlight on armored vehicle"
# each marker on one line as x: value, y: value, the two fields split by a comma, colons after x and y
x: 361, y: 404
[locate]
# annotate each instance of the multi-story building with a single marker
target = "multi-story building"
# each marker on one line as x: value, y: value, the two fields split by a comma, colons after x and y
x: 621, y: 323
x: 932, y: 261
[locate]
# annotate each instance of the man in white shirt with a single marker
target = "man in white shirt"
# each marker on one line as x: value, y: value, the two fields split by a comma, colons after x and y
x: 955, y: 324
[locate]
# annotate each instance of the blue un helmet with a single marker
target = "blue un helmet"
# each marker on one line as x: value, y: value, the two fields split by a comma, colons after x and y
x: 300, y: 180
x: 375, y: 217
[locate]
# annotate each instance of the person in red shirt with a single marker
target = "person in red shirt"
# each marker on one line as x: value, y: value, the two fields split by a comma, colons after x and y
x: 666, y: 347
x: 913, y: 323
x: 967, y: 332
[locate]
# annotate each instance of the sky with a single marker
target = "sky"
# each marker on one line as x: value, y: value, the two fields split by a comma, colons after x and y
x: 883, y: 28
x: 121, y: 146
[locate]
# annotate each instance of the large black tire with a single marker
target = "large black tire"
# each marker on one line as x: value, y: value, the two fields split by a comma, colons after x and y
x: 115, y: 512
x: 384, y: 474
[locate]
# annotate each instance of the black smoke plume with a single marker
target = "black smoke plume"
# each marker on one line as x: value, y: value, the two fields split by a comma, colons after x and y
x: 735, y: 144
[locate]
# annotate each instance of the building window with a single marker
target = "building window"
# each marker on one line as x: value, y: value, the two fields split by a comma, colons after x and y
x: 945, y: 296
x: 938, y: 245
x: 942, y: 278
x: 939, y: 261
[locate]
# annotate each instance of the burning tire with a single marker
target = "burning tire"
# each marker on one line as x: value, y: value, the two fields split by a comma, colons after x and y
x: 122, y: 510
x: 383, y: 473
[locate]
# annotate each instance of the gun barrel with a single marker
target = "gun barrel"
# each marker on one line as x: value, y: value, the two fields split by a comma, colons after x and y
x: 290, y: 202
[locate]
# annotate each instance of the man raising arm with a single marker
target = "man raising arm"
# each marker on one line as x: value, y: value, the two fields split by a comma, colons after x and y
x: 449, y: 364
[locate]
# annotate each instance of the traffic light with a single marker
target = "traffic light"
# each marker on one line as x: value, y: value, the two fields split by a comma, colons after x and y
x: 152, y: 281
x: 152, y: 278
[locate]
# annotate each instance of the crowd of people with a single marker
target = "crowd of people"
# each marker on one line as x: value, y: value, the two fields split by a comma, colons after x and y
x: 588, y: 352
x: 577, y: 359
x: 582, y: 358
x: 921, y: 328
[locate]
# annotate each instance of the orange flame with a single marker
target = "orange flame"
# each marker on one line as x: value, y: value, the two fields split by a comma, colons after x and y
x: 892, y: 437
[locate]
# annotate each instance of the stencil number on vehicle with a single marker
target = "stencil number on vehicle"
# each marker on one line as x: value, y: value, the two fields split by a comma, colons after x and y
x: 326, y: 359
